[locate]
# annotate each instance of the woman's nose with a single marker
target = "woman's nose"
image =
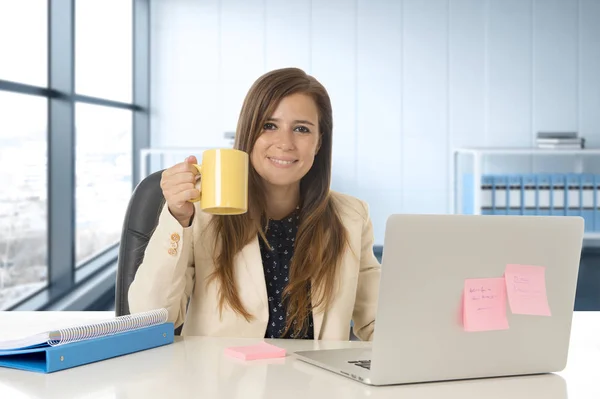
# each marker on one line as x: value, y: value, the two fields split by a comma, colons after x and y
x: 285, y: 139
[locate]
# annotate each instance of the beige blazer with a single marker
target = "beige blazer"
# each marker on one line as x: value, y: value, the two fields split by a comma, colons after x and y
x: 178, y: 260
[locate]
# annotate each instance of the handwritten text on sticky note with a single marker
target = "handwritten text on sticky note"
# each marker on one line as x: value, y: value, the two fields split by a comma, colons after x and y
x: 526, y: 289
x: 484, y: 304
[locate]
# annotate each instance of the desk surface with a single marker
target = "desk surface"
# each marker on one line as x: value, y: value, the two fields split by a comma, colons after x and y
x: 196, y: 367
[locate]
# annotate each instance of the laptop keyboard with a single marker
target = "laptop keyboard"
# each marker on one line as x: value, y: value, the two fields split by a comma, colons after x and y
x: 365, y: 364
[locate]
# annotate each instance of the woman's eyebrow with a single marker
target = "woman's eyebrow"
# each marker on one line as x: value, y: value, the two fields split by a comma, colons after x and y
x: 296, y: 121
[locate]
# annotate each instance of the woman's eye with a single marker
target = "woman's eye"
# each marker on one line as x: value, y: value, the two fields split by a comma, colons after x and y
x: 269, y: 126
x: 302, y: 129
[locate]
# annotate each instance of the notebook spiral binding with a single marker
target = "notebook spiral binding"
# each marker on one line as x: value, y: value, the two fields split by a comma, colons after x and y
x: 109, y: 327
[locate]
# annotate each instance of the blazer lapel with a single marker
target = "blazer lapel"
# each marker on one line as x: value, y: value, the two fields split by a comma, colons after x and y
x: 349, y: 219
x: 254, y: 268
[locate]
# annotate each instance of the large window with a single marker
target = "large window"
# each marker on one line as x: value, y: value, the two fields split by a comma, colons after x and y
x: 103, y: 60
x: 73, y: 116
x: 23, y: 196
x: 24, y: 41
x: 103, y: 187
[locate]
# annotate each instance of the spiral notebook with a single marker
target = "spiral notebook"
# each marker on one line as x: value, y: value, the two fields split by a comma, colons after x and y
x: 63, y: 348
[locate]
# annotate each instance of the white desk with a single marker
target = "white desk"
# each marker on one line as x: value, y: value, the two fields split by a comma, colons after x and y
x: 195, y: 367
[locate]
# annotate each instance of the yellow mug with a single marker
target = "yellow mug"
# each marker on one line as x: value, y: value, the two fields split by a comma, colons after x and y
x: 223, y: 181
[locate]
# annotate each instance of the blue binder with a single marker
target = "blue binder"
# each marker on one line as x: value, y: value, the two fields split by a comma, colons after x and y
x: 487, y: 183
x: 529, y: 200
x: 587, y: 201
x: 543, y: 195
x: 500, y: 195
x: 515, y: 195
x: 558, y: 194
x: 48, y: 359
x: 573, y: 187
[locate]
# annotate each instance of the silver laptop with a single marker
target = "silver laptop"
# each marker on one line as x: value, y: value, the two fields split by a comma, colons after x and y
x: 419, y: 334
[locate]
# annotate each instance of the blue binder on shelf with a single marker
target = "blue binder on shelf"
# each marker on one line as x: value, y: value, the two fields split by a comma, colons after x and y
x: 487, y: 201
x: 587, y: 201
x: 62, y: 349
x: 529, y: 201
x: 500, y: 195
x: 515, y: 195
x: 557, y: 196
x: 543, y: 195
x: 573, y: 188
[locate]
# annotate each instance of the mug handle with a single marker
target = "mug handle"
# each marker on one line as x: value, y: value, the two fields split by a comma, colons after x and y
x: 199, y: 169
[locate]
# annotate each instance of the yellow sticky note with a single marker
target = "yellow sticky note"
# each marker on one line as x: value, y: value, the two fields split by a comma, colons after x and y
x: 484, y: 304
x: 526, y: 289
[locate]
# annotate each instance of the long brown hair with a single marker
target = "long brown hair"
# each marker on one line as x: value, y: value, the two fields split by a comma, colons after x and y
x: 321, y: 237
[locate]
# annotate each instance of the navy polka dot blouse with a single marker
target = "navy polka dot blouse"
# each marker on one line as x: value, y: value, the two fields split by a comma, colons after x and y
x: 281, y: 235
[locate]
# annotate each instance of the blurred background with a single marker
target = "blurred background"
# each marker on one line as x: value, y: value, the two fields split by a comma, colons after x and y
x: 429, y: 97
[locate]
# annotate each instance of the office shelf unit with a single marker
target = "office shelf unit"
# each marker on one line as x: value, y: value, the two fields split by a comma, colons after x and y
x: 477, y: 157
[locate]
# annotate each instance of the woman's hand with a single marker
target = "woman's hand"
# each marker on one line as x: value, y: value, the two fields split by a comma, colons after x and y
x: 178, y: 184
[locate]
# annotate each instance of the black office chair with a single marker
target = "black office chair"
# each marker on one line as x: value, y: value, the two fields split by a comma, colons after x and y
x: 140, y: 220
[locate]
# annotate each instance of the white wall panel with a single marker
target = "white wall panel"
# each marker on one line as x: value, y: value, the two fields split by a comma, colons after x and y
x: 378, y: 111
x: 184, y: 71
x: 466, y: 73
x: 556, y: 60
x: 508, y: 81
x: 425, y: 106
x: 288, y: 34
x: 242, y: 55
x: 555, y: 73
x: 589, y: 76
x: 333, y: 63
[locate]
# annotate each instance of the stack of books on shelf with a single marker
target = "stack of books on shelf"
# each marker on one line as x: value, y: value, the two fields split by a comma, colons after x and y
x: 560, y: 141
x: 555, y: 194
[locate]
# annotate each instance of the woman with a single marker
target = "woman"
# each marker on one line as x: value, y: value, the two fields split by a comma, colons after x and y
x: 235, y: 275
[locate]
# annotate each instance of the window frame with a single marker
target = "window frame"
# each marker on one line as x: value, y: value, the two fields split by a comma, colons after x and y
x: 70, y: 287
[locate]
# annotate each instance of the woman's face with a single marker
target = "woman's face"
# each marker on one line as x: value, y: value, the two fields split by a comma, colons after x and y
x: 285, y: 150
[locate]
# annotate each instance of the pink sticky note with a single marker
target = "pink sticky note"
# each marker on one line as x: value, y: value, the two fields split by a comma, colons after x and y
x: 484, y: 304
x: 526, y: 289
x: 262, y: 350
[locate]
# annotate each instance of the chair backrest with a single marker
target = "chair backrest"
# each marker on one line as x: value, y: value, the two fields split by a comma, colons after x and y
x: 140, y: 220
